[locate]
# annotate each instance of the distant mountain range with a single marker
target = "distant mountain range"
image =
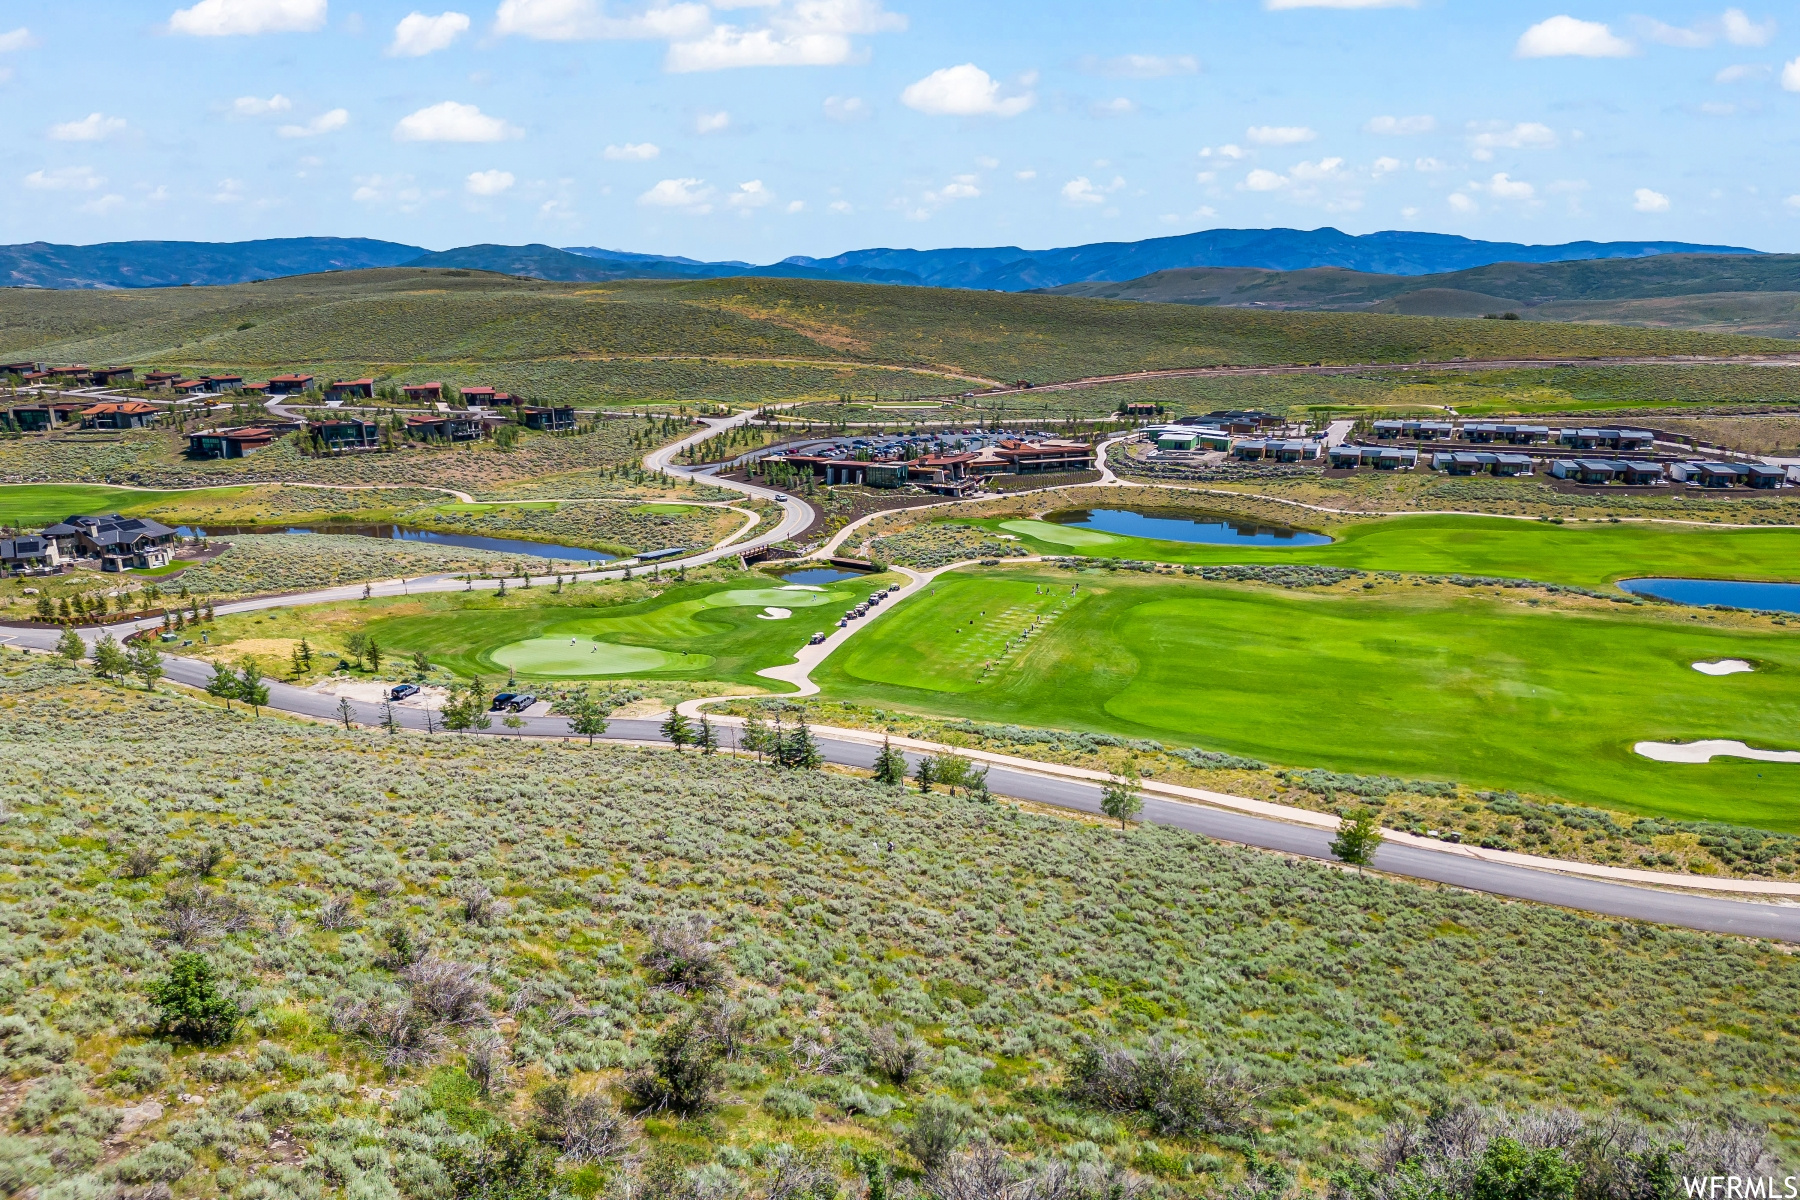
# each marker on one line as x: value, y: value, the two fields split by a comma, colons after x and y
x: 1002, y: 268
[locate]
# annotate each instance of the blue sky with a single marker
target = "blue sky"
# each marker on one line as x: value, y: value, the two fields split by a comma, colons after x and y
x: 756, y: 129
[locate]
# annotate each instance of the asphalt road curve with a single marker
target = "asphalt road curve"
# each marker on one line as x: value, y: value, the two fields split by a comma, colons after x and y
x: 1712, y: 914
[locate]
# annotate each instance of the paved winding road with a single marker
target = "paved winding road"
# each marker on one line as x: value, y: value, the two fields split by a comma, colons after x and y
x: 1745, y: 918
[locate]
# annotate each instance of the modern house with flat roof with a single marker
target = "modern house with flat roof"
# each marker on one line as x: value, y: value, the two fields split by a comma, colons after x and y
x: 1176, y: 441
x: 1761, y: 475
x: 287, y: 385
x: 231, y: 443
x: 40, y: 418
x: 446, y: 427
x: 421, y: 392
x: 552, y: 419
x: 351, y: 389
x: 344, y: 435
x: 107, y: 376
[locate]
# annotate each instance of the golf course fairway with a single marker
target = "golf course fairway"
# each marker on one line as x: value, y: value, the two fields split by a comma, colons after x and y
x: 33, y: 505
x: 690, y: 631
x: 1586, y: 554
x: 1438, y: 682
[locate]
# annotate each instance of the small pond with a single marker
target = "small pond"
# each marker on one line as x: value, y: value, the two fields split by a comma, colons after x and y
x: 1733, y: 593
x: 401, y: 533
x: 817, y: 575
x: 1186, y: 525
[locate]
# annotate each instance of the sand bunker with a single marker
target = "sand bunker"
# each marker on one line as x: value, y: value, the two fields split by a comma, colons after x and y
x: 775, y: 614
x: 1725, y: 666
x: 1704, y: 752
x: 800, y: 587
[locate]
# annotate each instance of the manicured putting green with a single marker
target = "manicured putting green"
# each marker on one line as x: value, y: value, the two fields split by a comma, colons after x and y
x: 1433, y: 682
x: 798, y: 597
x: 584, y: 656
x: 1588, y: 554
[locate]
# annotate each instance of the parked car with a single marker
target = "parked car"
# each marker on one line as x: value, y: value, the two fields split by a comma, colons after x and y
x: 521, y: 702
x: 501, y: 701
x: 401, y: 691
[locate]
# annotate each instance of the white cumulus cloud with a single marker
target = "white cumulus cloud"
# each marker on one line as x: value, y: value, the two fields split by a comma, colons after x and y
x: 65, y: 179
x: 227, y: 18
x: 1280, y: 135
x: 1462, y: 204
x: 964, y: 91
x: 1738, y: 72
x: 633, y: 152
x: 95, y: 127
x: 452, y: 122
x: 716, y: 122
x: 1485, y: 138
x: 14, y: 40
x: 794, y: 33
x: 846, y: 108
x: 1504, y: 187
x: 1790, y: 75
x: 1567, y: 37
x: 256, y: 106
x: 1264, y: 180
x: 487, y: 183
x: 1117, y: 107
x: 1646, y: 201
x: 689, y: 195
x: 1141, y: 66
x: 418, y: 35
x: 750, y: 195
x: 1400, y: 126
x: 1082, y: 191
x: 1733, y: 26
x: 586, y: 20
x: 328, y: 122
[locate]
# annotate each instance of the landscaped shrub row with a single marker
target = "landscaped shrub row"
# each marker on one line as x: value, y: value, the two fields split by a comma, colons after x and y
x: 1017, y: 735
x: 1327, y: 782
x: 416, y: 926
x: 293, y: 562
x: 935, y: 545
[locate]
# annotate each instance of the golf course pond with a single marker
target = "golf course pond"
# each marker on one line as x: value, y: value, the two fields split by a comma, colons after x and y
x: 403, y: 533
x: 1733, y: 593
x: 1197, y: 526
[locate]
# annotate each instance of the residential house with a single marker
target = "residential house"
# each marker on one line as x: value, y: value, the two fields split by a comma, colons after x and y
x: 20, y: 368
x: 1511, y: 464
x: 160, y: 378
x: 40, y: 418
x: 1251, y: 449
x: 74, y: 373
x: 1293, y: 450
x: 420, y: 393
x: 188, y: 387
x: 1708, y: 474
x: 479, y: 394
x: 120, y: 543
x: 1345, y: 457
x: 29, y: 554
x: 1641, y: 473
x: 231, y: 443
x: 108, y: 376
x: 118, y: 414
x: 344, y: 435
x: 552, y: 419
x: 288, y: 385
x: 221, y: 384
x: 1761, y: 475
x: 445, y: 427
x: 1394, y: 459
x: 351, y: 389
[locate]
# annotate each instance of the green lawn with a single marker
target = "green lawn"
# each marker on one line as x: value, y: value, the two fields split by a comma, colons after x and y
x: 1584, y: 554
x: 39, y: 504
x: 1419, y: 682
x: 717, y: 631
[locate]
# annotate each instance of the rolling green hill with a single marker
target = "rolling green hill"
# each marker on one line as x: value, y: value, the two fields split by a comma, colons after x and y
x: 392, y: 321
x: 1716, y: 292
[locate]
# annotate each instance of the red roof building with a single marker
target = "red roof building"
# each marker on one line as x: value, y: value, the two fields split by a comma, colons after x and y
x: 118, y: 414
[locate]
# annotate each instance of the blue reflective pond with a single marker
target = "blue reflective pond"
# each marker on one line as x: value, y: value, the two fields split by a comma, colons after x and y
x: 400, y: 533
x: 1734, y: 593
x: 1187, y: 525
x: 818, y: 575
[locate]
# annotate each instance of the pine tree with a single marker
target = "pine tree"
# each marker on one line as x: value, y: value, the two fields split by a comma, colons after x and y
x: 146, y: 663
x: 890, y: 765
x: 70, y: 646
x: 708, y: 738
x: 110, y: 662
x: 925, y: 775
x: 223, y: 685
x: 798, y: 750
x: 677, y: 730
x: 251, y: 689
